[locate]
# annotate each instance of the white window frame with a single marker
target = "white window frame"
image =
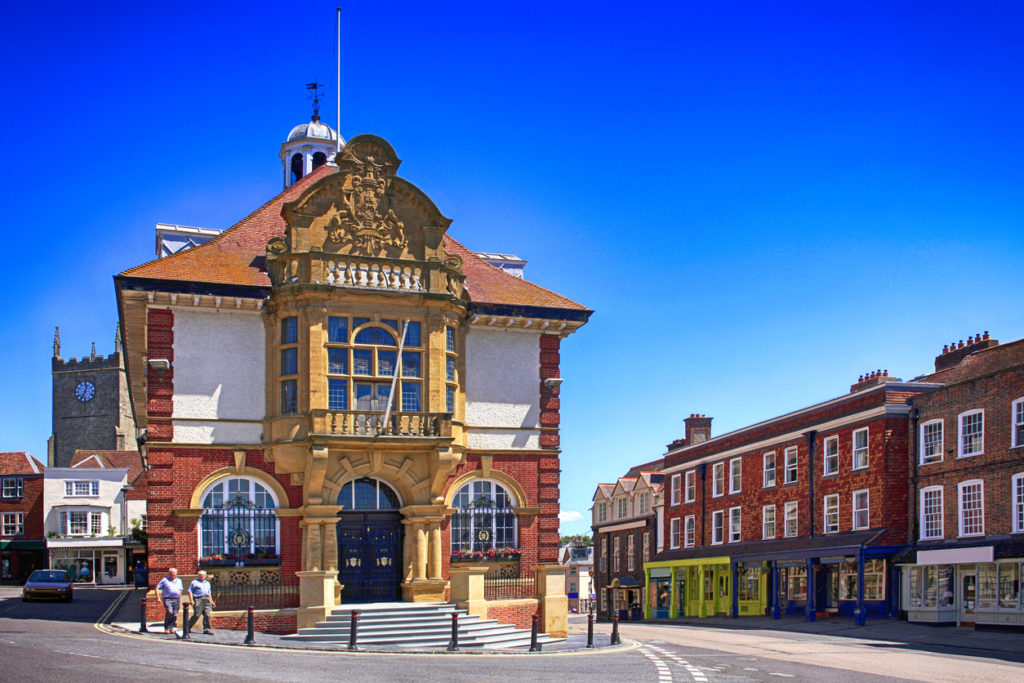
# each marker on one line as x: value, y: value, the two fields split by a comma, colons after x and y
x: 675, y: 484
x: 630, y: 552
x: 923, y: 458
x: 1017, y: 503
x: 82, y: 488
x: 690, y: 491
x: 644, y: 503
x: 1017, y: 420
x: 830, y: 512
x: 960, y: 506
x: 736, y: 475
x: 689, y: 531
x: 764, y: 522
x: 766, y: 470
x: 602, y: 512
x: 794, y: 506
x: 960, y: 452
x: 621, y: 507
x: 616, y: 554
x: 793, y: 452
x: 866, y: 509
x: 925, y: 536
x: 13, y: 487
x: 718, y: 480
x: 673, y: 537
x: 827, y: 457
x: 735, y: 524
x: 13, y: 524
x: 718, y: 527
x: 865, y: 450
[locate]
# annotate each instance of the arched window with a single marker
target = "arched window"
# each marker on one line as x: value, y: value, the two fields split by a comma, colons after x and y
x: 297, y: 167
x: 485, y: 520
x: 239, y: 519
x: 368, y: 494
x: 319, y: 159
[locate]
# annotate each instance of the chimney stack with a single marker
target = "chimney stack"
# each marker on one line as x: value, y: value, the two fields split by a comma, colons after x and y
x: 957, y: 351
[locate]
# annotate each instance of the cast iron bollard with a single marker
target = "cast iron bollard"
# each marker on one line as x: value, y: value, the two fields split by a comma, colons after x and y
x: 353, y: 627
x: 534, y: 645
x: 250, y: 637
x: 590, y: 630
x: 453, y: 644
x: 142, y: 621
x: 184, y: 623
x: 615, y: 630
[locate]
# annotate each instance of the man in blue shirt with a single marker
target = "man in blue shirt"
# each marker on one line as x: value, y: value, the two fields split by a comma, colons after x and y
x: 170, y: 589
x: 202, y: 601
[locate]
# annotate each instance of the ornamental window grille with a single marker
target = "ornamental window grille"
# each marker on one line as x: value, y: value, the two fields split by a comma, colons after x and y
x: 239, y: 519
x: 485, y: 518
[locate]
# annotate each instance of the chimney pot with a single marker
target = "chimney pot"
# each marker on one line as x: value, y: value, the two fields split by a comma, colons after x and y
x: 945, y: 348
x: 986, y: 335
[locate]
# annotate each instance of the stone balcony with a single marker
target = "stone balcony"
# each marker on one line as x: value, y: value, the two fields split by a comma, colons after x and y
x: 364, y: 424
x: 369, y: 273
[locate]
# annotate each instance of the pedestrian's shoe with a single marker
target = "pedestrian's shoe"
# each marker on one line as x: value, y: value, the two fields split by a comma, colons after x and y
x: 167, y: 630
x: 208, y: 632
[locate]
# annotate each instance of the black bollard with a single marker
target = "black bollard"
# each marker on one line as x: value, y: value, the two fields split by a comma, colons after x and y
x: 615, y: 630
x: 250, y: 637
x: 352, y: 629
x: 590, y: 630
x: 184, y: 623
x: 534, y: 645
x: 453, y: 644
x: 142, y: 621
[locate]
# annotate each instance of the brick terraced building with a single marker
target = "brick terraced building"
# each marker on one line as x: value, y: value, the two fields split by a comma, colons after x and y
x: 338, y: 395
x: 22, y: 536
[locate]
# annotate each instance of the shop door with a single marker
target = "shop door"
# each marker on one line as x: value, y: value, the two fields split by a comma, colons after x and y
x: 370, y: 556
x: 723, y: 592
x: 968, y: 595
x: 108, y: 569
x: 826, y: 588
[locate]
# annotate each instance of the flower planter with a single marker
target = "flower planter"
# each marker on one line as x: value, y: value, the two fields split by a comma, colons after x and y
x: 266, y: 562
x: 218, y: 563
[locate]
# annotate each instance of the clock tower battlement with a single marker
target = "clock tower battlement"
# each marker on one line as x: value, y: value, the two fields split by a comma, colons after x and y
x: 91, y: 408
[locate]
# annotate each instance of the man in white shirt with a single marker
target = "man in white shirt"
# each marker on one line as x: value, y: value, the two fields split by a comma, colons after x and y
x: 202, y: 601
x: 170, y: 589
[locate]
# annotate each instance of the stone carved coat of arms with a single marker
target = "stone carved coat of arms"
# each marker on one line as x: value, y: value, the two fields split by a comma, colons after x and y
x: 365, y: 224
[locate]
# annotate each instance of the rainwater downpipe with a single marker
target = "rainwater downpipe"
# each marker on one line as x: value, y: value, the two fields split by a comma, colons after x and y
x: 811, y: 436
x: 703, y: 500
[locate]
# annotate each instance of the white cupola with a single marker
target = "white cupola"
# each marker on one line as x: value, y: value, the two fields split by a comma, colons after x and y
x: 309, y: 146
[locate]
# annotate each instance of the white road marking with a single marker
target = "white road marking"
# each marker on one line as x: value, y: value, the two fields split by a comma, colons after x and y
x: 697, y: 675
x: 664, y: 675
x: 782, y: 675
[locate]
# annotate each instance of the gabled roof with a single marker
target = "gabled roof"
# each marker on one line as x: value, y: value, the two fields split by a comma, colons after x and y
x: 604, y: 491
x: 235, y: 258
x: 19, y: 462
x: 130, y: 460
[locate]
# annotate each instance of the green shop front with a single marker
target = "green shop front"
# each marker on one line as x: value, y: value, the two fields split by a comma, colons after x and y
x: 703, y: 585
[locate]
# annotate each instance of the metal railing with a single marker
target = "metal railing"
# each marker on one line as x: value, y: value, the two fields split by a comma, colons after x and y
x: 259, y: 596
x: 500, y: 585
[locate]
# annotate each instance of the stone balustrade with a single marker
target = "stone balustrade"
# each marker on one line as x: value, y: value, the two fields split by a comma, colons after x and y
x: 370, y: 423
x: 374, y: 275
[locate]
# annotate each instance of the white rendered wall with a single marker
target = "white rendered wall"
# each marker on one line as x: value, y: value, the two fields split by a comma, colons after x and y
x: 108, y: 501
x: 502, y: 388
x: 218, y: 376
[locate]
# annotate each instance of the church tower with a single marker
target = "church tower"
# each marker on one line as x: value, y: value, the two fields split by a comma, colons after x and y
x: 309, y: 145
x: 91, y: 408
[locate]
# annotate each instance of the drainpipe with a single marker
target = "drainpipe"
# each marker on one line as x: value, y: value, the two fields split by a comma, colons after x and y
x: 703, y: 500
x: 915, y: 417
x: 811, y: 437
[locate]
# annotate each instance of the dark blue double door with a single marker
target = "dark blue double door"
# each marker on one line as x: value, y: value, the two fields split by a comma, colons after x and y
x: 370, y: 556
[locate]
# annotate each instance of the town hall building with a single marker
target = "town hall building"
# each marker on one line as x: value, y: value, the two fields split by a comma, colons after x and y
x: 337, y: 395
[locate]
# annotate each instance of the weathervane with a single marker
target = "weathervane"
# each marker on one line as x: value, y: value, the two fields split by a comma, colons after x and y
x: 315, y: 92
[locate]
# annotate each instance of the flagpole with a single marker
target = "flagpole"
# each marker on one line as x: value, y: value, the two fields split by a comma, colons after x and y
x: 338, y: 89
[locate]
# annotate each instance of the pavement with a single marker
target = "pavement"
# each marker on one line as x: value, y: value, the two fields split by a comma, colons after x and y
x: 127, y: 618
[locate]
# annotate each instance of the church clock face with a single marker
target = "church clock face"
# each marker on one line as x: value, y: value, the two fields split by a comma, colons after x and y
x: 84, y: 391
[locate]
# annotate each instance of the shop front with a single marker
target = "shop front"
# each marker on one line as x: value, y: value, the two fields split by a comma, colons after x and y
x: 19, y: 558
x: 979, y: 585
x: 626, y: 597
x: 100, y: 562
x: 688, y: 587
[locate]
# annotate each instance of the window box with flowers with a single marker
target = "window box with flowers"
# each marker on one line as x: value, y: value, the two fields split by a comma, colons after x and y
x: 261, y: 559
x: 489, y: 555
x: 218, y: 561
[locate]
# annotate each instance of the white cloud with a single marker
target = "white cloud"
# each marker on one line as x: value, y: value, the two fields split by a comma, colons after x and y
x: 569, y: 516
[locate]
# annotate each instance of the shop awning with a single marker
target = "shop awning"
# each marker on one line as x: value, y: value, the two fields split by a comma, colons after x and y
x: 778, y: 549
x: 23, y: 545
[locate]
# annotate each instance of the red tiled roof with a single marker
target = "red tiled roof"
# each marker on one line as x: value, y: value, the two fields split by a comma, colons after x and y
x: 231, y: 259
x: 131, y: 460
x: 19, y: 462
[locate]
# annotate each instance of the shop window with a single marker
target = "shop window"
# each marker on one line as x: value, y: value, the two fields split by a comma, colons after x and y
x: 485, y: 518
x: 931, y: 442
x: 831, y: 455
x: 750, y: 583
x: 797, y: 583
x: 768, y: 469
x: 860, y: 448
x: 874, y: 580
x: 1009, y: 586
x: 988, y: 590
x: 914, y: 587
x: 239, y: 522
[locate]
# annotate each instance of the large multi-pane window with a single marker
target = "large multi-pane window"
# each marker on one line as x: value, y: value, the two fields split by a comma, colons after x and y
x: 717, y: 527
x: 790, y: 512
x: 674, y: 488
x: 931, y: 441
x: 289, y: 369
x: 735, y: 475
x: 451, y: 350
x: 861, y: 510
x: 791, y: 460
x: 689, y: 530
x: 239, y: 519
x: 691, y: 486
x: 972, y: 433
x: 622, y: 505
x: 602, y: 512
x: 13, y: 487
x: 735, y: 525
x: 673, y: 538
x: 718, y: 479
x: 14, y: 524
x: 768, y: 469
x: 860, y: 448
x: 768, y: 521
x: 81, y: 523
x: 485, y: 517
x: 1017, y: 423
x: 1017, y: 502
x: 831, y: 510
x: 643, y: 501
x: 363, y: 365
x: 82, y: 488
x: 831, y: 455
x: 931, y: 512
x: 972, y: 508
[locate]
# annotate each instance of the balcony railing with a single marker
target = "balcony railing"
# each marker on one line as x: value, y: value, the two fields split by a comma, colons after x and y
x: 371, y: 423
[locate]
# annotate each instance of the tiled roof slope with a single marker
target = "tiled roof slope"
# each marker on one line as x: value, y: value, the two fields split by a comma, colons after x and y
x: 109, y: 460
x: 19, y: 463
x: 232, y: 258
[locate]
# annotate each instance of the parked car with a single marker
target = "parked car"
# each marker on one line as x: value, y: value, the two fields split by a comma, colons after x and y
x: 53, y: 584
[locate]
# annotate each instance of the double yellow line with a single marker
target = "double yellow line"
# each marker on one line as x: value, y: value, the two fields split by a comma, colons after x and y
x: 114, y: 606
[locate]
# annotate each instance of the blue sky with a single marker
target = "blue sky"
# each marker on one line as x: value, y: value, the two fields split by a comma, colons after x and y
x: 760, y: 201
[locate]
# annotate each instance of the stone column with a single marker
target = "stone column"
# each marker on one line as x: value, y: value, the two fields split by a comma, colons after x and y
x: 314, y: 551
x: 434, y: 565
x: 467, y: 590
x: 420, y: 568
x: 552, y: 600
